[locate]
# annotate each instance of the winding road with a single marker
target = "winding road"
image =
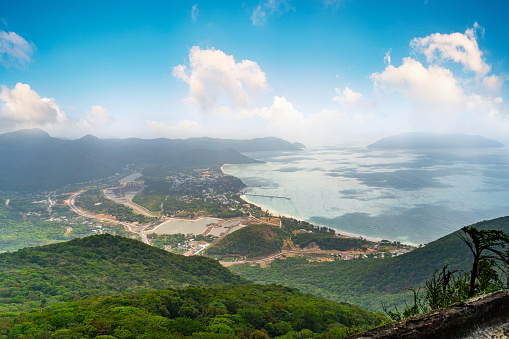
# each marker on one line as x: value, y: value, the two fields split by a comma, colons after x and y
x: 227, y: 263
x: 133, y: 228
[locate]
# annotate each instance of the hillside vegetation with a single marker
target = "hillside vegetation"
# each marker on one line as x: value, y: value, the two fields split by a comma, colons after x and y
x: 227, y: 311
x: 328, y: 242
x: 368, y: 282
x: 98, y: 265
x: 25, y: 224
x: 253, y: 241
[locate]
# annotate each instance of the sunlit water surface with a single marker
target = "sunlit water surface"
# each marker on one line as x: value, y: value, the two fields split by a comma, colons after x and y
x: 414, y: 196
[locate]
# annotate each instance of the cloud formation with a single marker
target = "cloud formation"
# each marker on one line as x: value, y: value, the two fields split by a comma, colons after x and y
x: 441, y: 100
x: 14, y: 50
x: 98, y: 116
x: 22, y: 107
x: 217, y: 81
x: 183, y: 130
x: 434, y: 84
x: 194, y: 12
x: 347, y: 97
x: 269, y: 7
x: 416, y: 95
x: 218, y: 84
x: 387, y: 57
x: 457, y: 47
x: 281, y: 114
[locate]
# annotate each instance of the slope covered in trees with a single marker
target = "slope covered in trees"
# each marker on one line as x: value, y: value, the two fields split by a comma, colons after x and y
x: 226, y: 311
x: 368, y: 282
x: 252, y: 241
x: 98, y: 265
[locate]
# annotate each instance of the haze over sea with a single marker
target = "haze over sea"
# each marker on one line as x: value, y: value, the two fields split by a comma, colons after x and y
x: 412, y: 196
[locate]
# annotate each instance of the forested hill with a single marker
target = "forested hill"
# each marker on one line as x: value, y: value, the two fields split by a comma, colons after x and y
x: 253, y: 241
x: 32, y: 160
x: 368, y: 282
x: 433, y: 140
x: 226, y: 311
x: 98, y: 265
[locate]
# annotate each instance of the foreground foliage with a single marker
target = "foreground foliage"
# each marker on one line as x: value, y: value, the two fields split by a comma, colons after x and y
x: 98, y: 265
x: 489, y: 273
x: 226, y: 311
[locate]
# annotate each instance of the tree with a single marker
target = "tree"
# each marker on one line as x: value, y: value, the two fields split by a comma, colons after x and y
x: 485, y: 245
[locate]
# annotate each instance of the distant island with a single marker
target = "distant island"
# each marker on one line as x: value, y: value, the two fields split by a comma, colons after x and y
x: 434, y: 140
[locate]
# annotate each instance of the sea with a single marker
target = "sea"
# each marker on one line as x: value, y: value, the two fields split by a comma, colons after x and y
x: 411, y: 196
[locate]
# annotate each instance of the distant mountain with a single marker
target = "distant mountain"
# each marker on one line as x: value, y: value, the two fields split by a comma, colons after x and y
x: 32, y: 160
x: 252, y: 145
x: 100, y: 265
x: 433, y: 140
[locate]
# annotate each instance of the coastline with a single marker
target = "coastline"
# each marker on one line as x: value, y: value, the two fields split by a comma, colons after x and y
x: 277, y: 214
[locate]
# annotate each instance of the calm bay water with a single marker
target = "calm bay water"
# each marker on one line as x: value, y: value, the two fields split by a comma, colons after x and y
x: 414, y: 196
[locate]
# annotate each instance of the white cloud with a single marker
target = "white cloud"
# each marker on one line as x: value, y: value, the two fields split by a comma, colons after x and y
x: 281, y: 114
x: 347, y: 97
x: 458, y: 47
x: 268, y: 7
x: 441, y: 102
x: 22, y: 107
x: 14, y: 50
x: 434, y: 84
x: 325, y: 127
x: 194, y: 12
x: 98, y: 116
x: 4, y: 22
x: 215, y: 80
x: 387, y: 57
x: 183, y: 130
x: 492, y: 84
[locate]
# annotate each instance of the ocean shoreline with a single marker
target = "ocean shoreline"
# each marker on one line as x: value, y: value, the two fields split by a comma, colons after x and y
x: 277, y: 214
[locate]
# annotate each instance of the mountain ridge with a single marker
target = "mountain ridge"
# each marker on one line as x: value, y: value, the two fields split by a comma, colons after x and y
x: 32, y: 160
x: 414, y: 140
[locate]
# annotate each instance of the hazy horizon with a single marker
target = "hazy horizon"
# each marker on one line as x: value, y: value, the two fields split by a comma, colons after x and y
x: 319, y: 72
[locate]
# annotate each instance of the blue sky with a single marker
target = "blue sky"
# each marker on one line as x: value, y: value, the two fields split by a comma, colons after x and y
x: 316, y: 71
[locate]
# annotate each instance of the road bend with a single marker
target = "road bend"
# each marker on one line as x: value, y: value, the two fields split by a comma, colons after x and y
x: 133, y: 228
x: 227, y: 263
